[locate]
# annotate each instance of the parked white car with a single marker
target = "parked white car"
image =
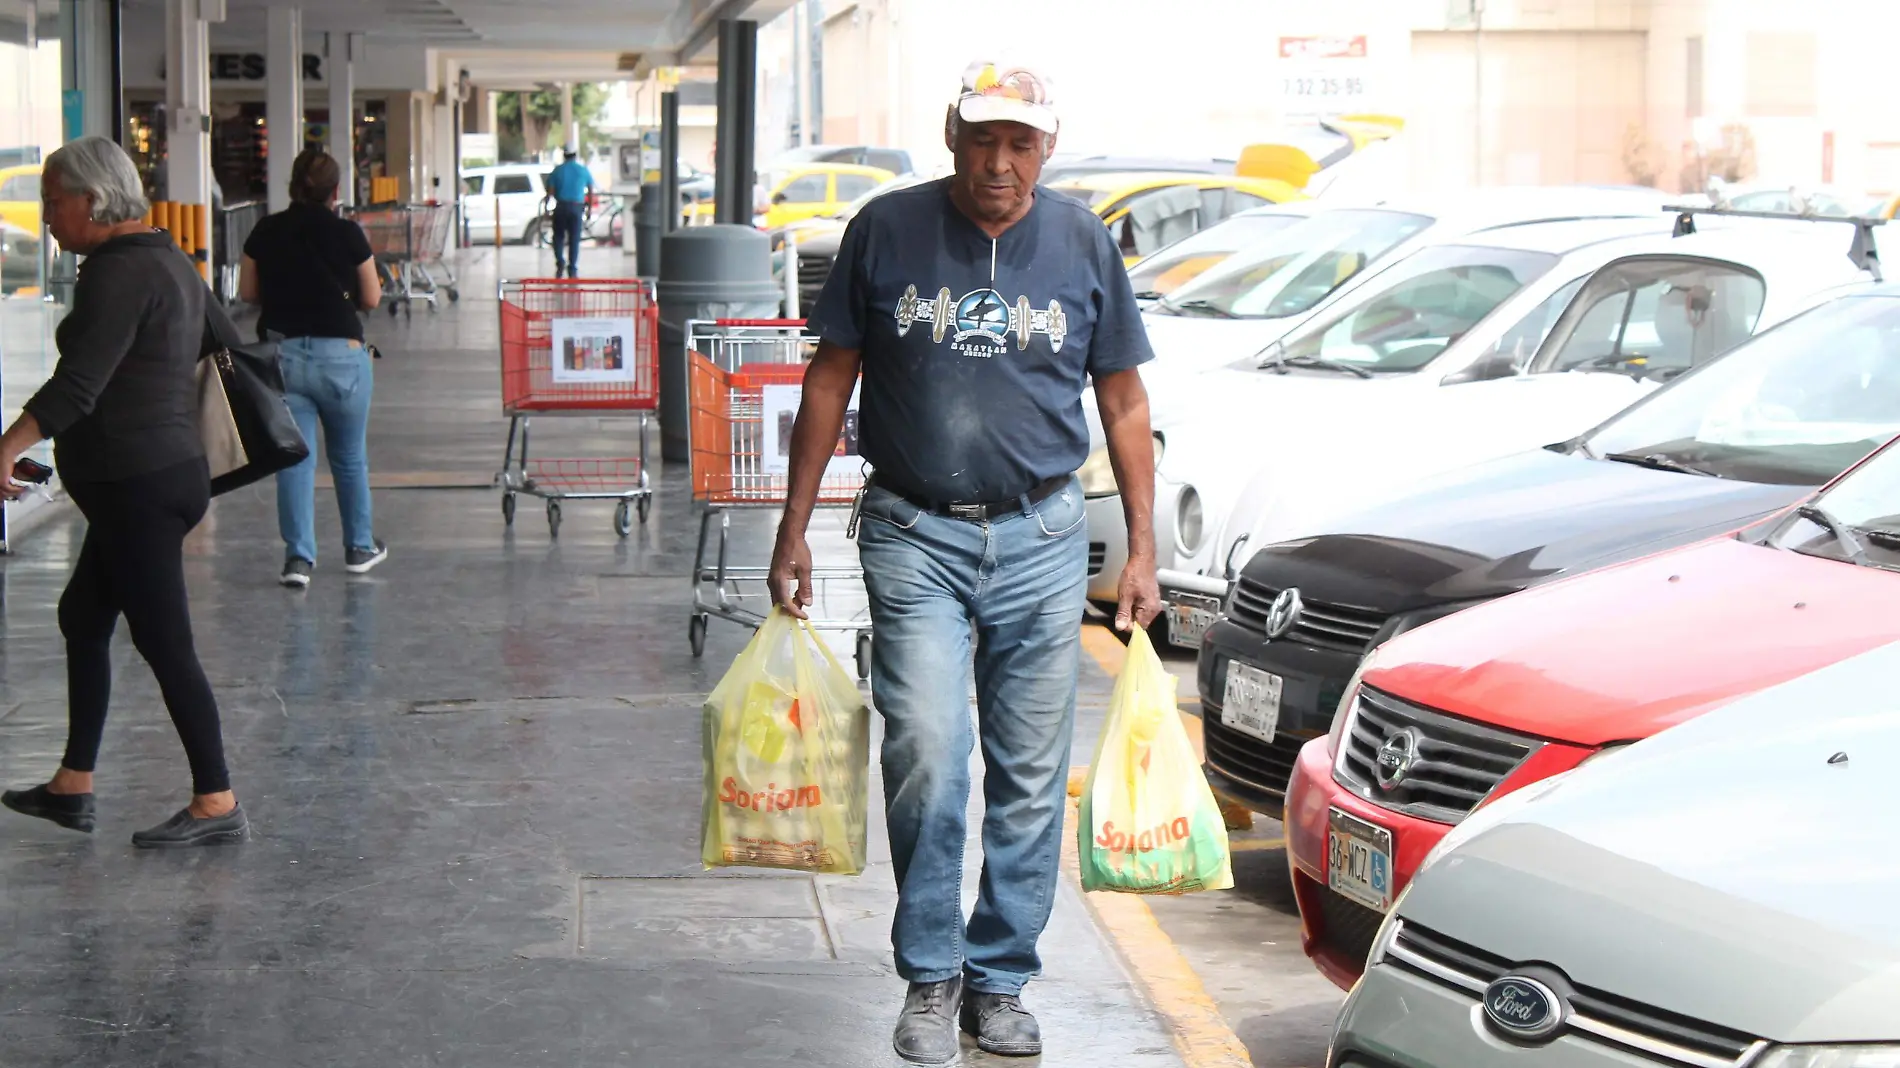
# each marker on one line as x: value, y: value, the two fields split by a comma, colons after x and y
x: 516, y: 187
x: 1263, y: 292
x: 1463, y: 353
x: 1706, y: 896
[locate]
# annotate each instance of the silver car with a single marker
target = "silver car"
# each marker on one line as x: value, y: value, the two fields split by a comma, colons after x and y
x: 1725, y: 894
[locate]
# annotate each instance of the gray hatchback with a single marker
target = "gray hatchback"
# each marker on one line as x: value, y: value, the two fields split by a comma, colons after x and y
x: 1723, y: 895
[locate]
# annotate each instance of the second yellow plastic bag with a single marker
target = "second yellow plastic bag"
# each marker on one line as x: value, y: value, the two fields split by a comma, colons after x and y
x: 787, y: 756
x: 1149, y: 823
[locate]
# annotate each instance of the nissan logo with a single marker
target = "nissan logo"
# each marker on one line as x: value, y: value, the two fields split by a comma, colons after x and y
x: 1396, y: 758
x: 1523, y: 1008
x: 1284, y: 613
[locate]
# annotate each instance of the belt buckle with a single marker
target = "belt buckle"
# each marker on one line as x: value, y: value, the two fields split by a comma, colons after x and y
x: 966, y: 511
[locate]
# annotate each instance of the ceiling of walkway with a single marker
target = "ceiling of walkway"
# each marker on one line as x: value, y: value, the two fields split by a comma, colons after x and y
x: 657, y: 30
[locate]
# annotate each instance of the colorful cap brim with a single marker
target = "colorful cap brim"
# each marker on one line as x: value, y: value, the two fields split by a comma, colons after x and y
x: 978, y: 108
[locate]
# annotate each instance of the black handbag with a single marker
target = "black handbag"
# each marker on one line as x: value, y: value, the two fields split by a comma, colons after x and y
x: 247, y: 427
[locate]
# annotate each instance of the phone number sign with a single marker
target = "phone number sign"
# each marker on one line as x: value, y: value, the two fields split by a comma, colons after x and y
x: 1324, y: 74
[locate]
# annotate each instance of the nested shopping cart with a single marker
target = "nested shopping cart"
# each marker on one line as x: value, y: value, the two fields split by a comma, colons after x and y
x: 578, y: 346
x: 410, y: 242
x: 736, y: 437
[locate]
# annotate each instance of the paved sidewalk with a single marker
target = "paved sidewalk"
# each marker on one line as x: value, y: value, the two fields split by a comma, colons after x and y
x: 474, y: 779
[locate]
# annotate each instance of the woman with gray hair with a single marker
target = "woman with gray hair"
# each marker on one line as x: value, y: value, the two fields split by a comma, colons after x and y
x: 122, y: 410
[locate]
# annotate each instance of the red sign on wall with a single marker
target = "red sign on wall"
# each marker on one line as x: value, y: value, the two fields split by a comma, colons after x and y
x: 1323, y: 47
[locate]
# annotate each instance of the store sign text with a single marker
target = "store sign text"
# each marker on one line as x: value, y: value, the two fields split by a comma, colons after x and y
x: 249, y: 67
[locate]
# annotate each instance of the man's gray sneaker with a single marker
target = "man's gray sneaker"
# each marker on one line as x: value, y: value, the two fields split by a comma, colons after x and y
x: 927, y: 1031
x: 357, y: 561
x: 1001, y: 1025
x: 296, y: 573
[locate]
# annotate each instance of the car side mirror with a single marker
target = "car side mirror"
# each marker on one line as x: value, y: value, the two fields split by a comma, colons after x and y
x: 778, y: 198
x: 1498, y: 363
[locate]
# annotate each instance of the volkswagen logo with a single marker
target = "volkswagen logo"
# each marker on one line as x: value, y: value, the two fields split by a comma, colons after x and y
x: 1284, y: 613
x: 1396, y: 758
x: 1523, y: 1008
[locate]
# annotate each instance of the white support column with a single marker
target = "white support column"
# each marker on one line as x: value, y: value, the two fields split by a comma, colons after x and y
x: 343, y: 48
x: 86, y: 69
x: 569, y: 136
x: 283, y: 97
x: 187, y: 103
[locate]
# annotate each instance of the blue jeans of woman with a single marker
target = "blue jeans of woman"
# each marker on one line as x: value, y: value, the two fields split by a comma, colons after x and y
x: 328, y: 382
x: 1015, y: 586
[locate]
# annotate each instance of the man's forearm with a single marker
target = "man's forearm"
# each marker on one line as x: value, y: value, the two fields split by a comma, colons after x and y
x: 828, y: 384
x: 1123, y: 404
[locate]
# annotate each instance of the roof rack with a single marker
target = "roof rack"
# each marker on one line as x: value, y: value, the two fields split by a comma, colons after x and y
x: 1863, y: 251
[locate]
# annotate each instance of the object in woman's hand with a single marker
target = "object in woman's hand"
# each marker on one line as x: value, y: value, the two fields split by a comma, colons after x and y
x: 27, y: 469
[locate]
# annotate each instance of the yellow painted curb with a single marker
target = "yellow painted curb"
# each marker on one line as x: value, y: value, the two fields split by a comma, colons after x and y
x: 1193, y: 1017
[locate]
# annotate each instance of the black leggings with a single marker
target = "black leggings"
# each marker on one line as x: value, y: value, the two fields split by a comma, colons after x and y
x: 133, y: 563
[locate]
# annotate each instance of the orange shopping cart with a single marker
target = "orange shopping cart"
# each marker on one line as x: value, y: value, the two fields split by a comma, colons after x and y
x: 745, y: 379
x: 577, y: 346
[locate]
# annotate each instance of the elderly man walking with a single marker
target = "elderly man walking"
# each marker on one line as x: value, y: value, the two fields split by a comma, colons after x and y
x: 978, y: 308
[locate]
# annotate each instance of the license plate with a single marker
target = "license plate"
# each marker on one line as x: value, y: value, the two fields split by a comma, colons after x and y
x: 1189, y: 618
x: 1251, y: 703
x: 1359, y: 860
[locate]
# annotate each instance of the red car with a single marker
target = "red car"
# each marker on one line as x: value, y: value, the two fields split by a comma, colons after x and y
x: 1442, y: 719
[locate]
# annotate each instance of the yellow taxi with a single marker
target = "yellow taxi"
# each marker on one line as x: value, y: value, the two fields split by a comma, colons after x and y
x: 806, y: 190
x: 20, y: 196
x: 1145, y: 211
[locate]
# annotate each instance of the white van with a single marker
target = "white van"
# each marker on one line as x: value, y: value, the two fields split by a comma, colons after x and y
x: 517, y: 187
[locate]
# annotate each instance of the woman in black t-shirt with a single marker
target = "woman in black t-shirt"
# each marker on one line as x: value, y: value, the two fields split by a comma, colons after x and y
x: 310, y: 271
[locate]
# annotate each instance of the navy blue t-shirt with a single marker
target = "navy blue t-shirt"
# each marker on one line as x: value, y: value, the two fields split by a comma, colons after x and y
x: 975, y: 353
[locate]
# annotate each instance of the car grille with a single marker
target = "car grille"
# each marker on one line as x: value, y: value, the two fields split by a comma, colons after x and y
x: 1329, y: 626
x: 1249, y: 761
x: 813, y: 270
x: 1347, y: 927
x: 1098, y: 557
x: 1596, y: 1015
x: 1459, y: 762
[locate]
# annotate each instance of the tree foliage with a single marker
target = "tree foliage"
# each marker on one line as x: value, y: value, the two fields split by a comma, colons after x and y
x: 518, y: 139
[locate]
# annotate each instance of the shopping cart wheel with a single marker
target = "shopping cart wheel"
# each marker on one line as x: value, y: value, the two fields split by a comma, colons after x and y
x: 864, y: 655
x: 394, y: 305
x: 696, y: 635
x: 508, y: 508
x: 646, y: 506
x: 623, y: 518
x: 454, y: 294
x: 554, y: 519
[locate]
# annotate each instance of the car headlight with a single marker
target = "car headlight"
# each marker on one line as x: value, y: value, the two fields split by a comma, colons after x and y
x: 1188, y: 520
x: 1831, y: 1057
x: 1489, y: 816
x: 1348, y: 700
x: 1098, y: 471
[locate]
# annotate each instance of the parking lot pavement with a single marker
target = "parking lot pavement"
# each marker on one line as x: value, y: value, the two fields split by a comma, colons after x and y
x: 1242, y: 945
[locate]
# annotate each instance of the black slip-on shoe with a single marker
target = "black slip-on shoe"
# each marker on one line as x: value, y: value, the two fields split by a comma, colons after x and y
x: 184, y: 829
x: 71, y: 811
x: 927, y: 1030
x: 1001, y: 1025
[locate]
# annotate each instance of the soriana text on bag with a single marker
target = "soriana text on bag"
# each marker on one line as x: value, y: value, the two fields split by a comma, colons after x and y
x: 1149, y: 823
x: 787, y: 754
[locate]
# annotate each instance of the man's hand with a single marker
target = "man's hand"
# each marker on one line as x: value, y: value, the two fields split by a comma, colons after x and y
x: 1140, y: 594
x: 790, y: 577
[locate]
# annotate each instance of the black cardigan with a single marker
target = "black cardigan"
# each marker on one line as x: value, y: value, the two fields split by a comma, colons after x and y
x: 123, y: 398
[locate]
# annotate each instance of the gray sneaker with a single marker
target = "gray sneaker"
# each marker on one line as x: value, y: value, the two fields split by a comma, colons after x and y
x: 358, y: 561
x: 296, y: 573
x: 927, y: 1031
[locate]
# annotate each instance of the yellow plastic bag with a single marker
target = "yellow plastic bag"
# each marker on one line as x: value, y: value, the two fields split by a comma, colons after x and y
x: 787, y: 755
x: 1149, y: 823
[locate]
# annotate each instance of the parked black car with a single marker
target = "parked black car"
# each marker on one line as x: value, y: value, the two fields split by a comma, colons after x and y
x: 1739, y: 438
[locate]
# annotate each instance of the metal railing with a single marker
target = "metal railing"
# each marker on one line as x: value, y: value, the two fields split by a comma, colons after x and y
x: 230, y: 228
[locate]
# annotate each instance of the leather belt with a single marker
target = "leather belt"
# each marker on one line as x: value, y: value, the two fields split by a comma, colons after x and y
x: 975, y: 511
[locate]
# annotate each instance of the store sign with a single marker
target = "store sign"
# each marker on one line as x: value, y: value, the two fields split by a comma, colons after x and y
x: 249, y: 67
x: 1324, y: 75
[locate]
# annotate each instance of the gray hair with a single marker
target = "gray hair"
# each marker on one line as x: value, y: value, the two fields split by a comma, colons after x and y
x: 97, y: 167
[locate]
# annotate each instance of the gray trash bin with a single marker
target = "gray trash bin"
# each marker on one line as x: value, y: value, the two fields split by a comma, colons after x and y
x: 649, y: 223
x: 706, y: 272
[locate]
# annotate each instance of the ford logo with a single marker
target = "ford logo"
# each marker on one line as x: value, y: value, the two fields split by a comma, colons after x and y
x: 1523, y: 1008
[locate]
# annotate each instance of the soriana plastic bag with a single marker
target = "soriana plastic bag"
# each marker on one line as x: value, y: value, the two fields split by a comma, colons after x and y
x: 787, y: 752
x: 1149, y: 822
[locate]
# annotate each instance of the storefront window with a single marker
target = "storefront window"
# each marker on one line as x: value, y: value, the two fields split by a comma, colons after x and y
x: 240, y: 144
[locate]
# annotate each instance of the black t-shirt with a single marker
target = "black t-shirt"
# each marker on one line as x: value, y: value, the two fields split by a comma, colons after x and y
x: 976, y: 352
x: 306, y: 272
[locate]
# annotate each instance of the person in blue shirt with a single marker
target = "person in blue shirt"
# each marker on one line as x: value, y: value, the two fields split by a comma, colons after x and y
x: 569, y: 185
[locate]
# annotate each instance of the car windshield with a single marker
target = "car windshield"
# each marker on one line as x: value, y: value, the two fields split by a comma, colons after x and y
x: 1308, y: 261
x: 1857, y: 519
x: 1414, y: 312
x: 901, y: 182
x: 1180, y: 263
x: 1795, y: 406
x: 1092, y: 197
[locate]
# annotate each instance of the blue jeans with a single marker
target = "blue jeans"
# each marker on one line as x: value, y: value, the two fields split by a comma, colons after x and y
x: 1016, y: 584
x: 568, y: 220
x: 327, y: 380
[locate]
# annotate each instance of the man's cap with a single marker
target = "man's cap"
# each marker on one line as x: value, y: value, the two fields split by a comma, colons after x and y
x: 993, y: 93
x: 570, y: 150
